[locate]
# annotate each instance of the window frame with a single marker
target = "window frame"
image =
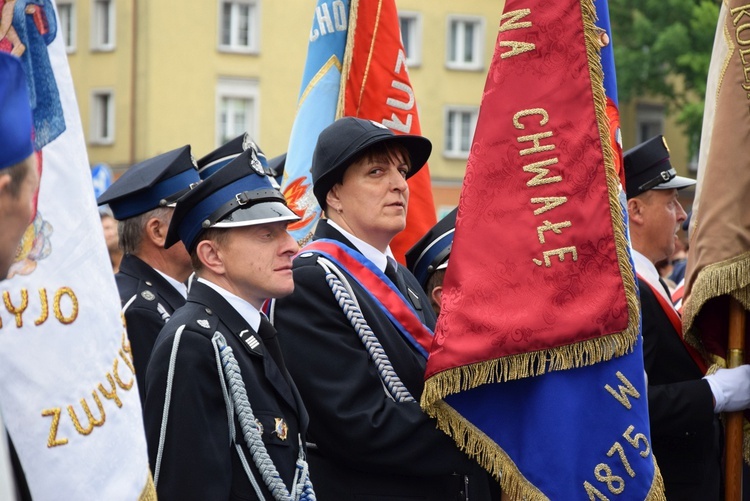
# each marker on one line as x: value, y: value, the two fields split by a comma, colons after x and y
x: 96, y: 137
x: 68, y: 41
x: 457, y: 153
x: 254, y: 26
x: 478, y: 43
x: 97, y: 44
x: 237, y: 88
x: 413, y: 53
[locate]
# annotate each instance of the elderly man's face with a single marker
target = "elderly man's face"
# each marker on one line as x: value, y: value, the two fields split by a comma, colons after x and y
x: 662, y: 218
x: 16, y: 211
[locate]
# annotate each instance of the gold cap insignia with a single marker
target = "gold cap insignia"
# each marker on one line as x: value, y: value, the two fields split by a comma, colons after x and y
x: 664, y: 140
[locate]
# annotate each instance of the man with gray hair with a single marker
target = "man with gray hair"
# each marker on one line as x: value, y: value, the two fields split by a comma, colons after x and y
x: 151, y: 279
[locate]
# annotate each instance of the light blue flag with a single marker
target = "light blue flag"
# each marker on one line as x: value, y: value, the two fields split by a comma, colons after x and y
x: 316, y: 110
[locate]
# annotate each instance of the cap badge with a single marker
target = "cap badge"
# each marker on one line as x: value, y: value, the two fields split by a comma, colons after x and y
x: 664, y: 140
x: 378, y: 124
x: 247, y: 143
x: 148, y: 295
x: 203, y: 323
x: 280, y: 428
x: 255, y: 163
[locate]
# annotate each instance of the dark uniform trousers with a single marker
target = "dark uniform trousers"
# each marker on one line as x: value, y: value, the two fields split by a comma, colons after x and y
x: 148, y: 300
x: 685, y: 432
x: 199, y: 458
x: 367, y: 446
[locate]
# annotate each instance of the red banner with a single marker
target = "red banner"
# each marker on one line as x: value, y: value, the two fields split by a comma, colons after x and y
x: 539, y: 274
x: 377, y: 87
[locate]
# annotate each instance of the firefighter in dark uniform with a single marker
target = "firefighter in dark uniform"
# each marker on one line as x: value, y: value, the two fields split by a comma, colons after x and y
x: 355, y: 330
x: 428, y: 258
x: 230, y: 150
x: 223, y: 418
x: 151, y: 279
x: 683, y: 403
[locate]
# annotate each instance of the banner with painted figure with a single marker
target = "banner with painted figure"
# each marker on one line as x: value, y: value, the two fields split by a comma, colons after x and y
x: 356, y: 66
x: 316, y: 109
x: 536, y: 369
x: 67, y: 386
x: 719, y: 260
x: 377, y: 87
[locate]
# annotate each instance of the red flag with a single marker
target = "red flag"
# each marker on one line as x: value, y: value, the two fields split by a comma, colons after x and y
x: 377, y: 87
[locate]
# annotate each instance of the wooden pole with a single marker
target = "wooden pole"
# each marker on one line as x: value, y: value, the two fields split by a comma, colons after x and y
x: 733, y: 432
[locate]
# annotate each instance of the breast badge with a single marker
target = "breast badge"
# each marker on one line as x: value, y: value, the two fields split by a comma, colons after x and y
x: 280, y: 428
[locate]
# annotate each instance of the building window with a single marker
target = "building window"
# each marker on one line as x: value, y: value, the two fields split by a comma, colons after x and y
x: 465, y: 47
x: 66, y: 24
x: 649, y: 119
x: 411, y: 37
x: 240, y: 22
x: 236, y: 109
x: 460, y: 123
x: 102, y: 117
x: 103, y: 25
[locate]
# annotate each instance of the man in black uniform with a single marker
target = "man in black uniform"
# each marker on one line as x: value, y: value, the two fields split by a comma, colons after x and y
x: 356, y: 330
x: 223, y: 417
x: 428, y: 258
x: 151, y: 279
x: 683, y: 403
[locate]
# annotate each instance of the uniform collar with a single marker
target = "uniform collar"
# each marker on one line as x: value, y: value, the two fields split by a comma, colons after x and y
x: 378, y: 258
x: 245, y: 309
x: 179, y: 286
x: 646, y: 269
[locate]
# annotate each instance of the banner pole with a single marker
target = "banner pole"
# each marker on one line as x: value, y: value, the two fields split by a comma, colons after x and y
x: 734, y: 420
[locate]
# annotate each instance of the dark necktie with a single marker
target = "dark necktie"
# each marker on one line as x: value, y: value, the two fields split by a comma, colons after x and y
x: 666, y: 288
x: 390, y: 272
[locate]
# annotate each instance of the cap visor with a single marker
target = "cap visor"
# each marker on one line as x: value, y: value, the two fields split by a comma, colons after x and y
x: 262, y: 213
x: 677, y: 183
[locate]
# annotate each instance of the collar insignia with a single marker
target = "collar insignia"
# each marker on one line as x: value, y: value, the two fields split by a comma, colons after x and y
x: 148, y: 295
x: 204, y: 323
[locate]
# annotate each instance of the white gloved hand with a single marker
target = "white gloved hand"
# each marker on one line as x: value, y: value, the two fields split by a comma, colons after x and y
x: 731, y: 388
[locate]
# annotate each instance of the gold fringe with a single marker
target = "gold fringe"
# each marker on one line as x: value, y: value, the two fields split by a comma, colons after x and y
x: 149, y: 490
x: 524, y: 365
x: 746, y: 443
x: 348, y: 54
x: 730, y: 277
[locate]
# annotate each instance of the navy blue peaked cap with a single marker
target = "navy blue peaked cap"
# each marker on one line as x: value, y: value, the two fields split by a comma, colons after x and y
x: 432, y: 251
x: 227, y: 152
x: 156, y: 182
x: 238, y: 194
x: 647, y: 167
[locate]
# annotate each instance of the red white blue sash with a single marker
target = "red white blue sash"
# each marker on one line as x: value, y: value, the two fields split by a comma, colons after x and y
x: 380, y: 288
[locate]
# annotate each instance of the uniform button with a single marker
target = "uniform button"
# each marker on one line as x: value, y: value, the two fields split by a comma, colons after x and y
x: 208, y: 311
x: 149, y: 284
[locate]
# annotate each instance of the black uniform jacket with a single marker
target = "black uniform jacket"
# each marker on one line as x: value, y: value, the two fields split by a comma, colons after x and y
x: 148, y: 301
x: 685, y: 432
x: 367, y: 445
x: 199, y: 458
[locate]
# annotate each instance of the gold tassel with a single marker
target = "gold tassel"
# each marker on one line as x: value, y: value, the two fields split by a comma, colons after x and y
x: 149, y: 490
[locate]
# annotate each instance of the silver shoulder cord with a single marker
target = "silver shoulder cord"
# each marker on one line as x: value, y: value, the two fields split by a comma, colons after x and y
x: 236, y: 401
x: 346, y: 299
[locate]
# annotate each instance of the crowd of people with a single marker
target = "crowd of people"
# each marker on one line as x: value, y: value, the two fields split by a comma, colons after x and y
x: 267, y: 371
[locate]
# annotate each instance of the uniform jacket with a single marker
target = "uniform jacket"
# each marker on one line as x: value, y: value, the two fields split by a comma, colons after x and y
x: 148, y: 300
x: 367, y: 446
x: 199, y: 458
x: 685, y: 432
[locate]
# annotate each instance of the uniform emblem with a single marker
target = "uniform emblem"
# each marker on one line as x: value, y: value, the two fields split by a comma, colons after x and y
x: 280, y: 428
x: 148, y: 295
x: 203, y: 323
x: 259, y: 425
x: 252, y: 342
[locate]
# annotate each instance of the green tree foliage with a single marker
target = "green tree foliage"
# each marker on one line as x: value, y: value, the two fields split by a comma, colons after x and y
x: 663, y: 48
